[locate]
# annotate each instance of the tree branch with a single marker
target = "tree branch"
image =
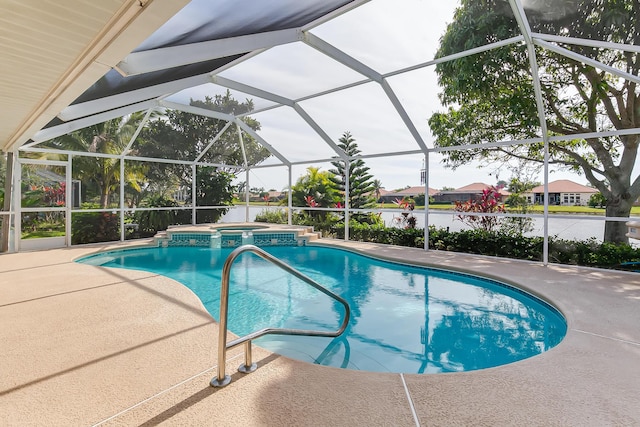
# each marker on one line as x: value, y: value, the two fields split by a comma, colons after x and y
x: 572, y: 127
x: 588, y: 170
x: 575, y: 74
x: 596, y: 79
x: 629, y: 154
x: 603, y: 154
x: 535, y: 159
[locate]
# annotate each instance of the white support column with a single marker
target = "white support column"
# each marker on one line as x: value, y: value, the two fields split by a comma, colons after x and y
x: 121, y: 210
x: 347, y: 172
x: 17, y: 203
x: 290, y: 198
x: 9, y: 189
x: 518, y: 11
x: 246, y: 197
x: 426, y: 201
x: 247, y: 170
x: 193, y: 194
x: 68, y: 201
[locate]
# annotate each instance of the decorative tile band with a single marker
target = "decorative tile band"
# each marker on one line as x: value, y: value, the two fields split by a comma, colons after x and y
x: 232, y: 240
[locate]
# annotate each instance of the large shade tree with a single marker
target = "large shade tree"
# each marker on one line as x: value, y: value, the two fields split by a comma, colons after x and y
x: 490, y: 95
x: 188, y: 137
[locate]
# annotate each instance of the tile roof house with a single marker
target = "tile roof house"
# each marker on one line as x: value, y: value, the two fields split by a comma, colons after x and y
x: 389, y: 196
x: 468, y: 192
x: 562, y: 192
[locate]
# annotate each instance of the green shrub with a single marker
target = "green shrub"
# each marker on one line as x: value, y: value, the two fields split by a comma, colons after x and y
x: 326, y: 224
x: 150, y: 222
x: 378, y: 233
x: 94, y: 227
x: 272, y: 216
x: 484, y: 242
x: 591, y: 253
x: 494, y: 243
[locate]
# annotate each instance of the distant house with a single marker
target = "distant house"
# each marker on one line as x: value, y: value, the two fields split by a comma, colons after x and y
x: 562, y: 192
x: 466, y: 193
x: 409, y: 192
x: 276, y: 196
x: 273, y: 196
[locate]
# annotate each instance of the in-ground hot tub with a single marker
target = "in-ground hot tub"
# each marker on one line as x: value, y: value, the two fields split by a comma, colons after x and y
x: 230, y: 235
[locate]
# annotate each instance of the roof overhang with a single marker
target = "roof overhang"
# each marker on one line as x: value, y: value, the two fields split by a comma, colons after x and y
x: 54, y: 51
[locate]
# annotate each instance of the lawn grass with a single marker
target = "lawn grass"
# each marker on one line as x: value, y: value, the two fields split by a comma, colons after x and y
x: 635, y: 210
x: 533, y: 208
x: 42, y: 233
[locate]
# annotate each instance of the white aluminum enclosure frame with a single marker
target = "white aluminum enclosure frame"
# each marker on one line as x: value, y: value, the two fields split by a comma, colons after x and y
x: 152, y: 98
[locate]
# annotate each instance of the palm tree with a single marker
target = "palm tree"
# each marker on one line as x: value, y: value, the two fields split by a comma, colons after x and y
x: 110, y: 137
x: 377, y: 187
x: 315, y: 189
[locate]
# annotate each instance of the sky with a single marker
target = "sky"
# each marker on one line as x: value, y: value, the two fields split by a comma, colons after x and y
x: 386, y: 38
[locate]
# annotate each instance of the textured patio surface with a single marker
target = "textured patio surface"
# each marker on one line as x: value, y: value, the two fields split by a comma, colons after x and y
x: 83, y: 345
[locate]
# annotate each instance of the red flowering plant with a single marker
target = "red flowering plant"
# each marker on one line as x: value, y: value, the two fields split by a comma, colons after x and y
x: 45, y: 195
x: 406, y: 218
x: 311, y: 202
x: 54, y: 196
x: 489, y: 202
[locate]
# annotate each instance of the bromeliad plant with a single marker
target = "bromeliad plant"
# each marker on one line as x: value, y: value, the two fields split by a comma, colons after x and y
x: 489, y: 202
x: 311, y: 202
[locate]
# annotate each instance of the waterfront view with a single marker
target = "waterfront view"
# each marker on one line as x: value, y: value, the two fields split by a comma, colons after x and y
x: 574, y: 228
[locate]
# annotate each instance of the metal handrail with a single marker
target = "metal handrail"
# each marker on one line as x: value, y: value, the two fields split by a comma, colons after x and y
x: 222, y: 379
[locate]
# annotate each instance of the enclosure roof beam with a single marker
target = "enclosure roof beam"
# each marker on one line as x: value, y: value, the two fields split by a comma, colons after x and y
x: 457, y: 55
x: 65, y: 128
x: 251, y: 90
x: 316, y: 127
x: 404, y: 115
x: 340, y: 56
x: 347, y: 60
x: 141, y: 126
x: 231, y: 84
x: 213, y: 141
x: 586, y: 42
x: 311, y: 96
x: 353, y: 4
x: 586, y: 60
x: 87, y: 108
x: 175, y: 56
x: 262, y: 141
x: 229, y: 118
x: 198, y: 111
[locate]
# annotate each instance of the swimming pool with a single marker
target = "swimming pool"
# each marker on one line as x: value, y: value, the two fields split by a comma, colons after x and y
x: 403, y: 318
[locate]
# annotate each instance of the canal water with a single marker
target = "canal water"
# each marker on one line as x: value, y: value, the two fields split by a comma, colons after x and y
x: 574, y: 228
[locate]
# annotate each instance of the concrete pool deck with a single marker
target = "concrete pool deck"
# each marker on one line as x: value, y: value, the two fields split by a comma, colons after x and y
x: 84, y: 345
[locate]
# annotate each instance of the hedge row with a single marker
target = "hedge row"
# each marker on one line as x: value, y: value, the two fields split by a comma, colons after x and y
x: 574, y: 252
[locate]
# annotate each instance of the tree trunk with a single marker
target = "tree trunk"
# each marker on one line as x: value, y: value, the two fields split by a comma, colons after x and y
x: 104, y: 198
x: 615, y: 231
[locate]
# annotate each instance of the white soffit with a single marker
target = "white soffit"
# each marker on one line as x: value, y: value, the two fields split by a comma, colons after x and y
x: 52, y: 51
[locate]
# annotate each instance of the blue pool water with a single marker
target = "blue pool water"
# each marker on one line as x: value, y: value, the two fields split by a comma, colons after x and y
x: 403, y: 318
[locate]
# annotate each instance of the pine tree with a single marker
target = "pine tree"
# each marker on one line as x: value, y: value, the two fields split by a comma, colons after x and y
x: 361, y: 186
